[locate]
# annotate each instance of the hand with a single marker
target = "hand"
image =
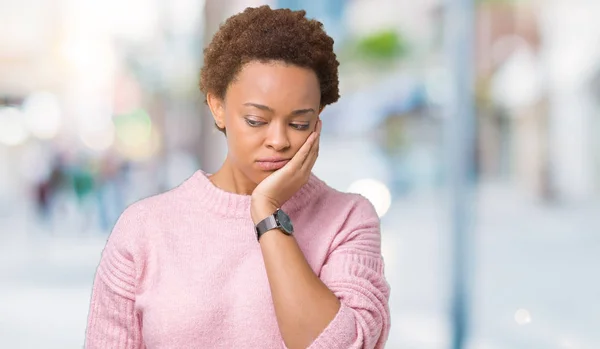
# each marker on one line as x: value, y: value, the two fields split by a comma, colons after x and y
x: 282, y: 184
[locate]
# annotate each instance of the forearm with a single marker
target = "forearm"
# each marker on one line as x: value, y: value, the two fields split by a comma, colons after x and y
x: 346, y: 305
x: 304, y: 306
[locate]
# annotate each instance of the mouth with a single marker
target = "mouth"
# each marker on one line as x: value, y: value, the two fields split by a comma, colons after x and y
x: 271, y: 164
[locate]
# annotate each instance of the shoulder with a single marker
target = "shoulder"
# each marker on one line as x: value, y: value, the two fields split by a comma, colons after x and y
x: 352, y: 205
x: 354, y: 221
x: 138, y: 218
x: 345, y: 216
x: 161, y: 204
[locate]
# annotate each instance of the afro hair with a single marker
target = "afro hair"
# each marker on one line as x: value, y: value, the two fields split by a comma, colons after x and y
x: 265, y: 34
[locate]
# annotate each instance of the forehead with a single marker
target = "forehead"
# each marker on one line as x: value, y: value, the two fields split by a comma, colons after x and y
x: 275, y: 83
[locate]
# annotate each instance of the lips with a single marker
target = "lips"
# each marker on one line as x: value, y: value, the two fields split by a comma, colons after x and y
x: 271, y: 164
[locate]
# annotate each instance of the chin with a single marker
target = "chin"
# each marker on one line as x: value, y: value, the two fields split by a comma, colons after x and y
x: 261, y: 175
x: 255, y: 175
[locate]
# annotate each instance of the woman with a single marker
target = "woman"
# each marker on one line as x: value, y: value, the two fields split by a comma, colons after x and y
x: 260, y: 254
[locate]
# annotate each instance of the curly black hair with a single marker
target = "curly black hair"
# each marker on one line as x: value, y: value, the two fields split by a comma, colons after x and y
x: 265, y: 34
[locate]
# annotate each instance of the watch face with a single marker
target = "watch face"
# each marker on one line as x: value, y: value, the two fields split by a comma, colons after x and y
x: 285, y: 222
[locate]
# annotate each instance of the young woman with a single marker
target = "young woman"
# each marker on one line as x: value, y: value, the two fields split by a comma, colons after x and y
x: 260, y: 254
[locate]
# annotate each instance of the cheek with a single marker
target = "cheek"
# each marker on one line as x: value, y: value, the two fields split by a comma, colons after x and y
x: 242, y: 139
x: 299, y: 140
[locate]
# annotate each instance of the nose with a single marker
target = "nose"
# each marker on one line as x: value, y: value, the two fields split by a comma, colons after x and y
x: 277, y: 137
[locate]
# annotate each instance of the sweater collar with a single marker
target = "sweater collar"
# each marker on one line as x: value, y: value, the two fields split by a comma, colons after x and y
x: 227, y: 204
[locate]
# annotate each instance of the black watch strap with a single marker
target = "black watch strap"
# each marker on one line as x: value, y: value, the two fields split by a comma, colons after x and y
x: 265, y: 225
x: 278, y: 220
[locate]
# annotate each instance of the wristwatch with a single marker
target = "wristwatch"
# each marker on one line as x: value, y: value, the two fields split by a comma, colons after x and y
x: 278, y: 220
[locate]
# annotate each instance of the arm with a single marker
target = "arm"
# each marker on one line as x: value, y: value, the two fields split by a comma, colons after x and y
x: 112, y: 320
x: 347, y: 307
x: 304, y: 305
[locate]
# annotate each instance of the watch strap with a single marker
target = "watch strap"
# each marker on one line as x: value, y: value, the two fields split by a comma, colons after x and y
x: 265, y: 225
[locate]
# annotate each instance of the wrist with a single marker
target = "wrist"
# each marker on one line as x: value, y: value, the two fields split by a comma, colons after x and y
x: 260, y: 211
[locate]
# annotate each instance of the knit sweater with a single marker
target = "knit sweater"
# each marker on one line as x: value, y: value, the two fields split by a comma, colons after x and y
x: 183, y: 269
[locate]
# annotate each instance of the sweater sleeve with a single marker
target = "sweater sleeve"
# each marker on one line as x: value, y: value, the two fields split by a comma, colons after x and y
x: 354, y: 272
x: 112, y: 320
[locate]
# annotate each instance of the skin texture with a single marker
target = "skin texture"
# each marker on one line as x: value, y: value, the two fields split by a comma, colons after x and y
x: 288, y: 97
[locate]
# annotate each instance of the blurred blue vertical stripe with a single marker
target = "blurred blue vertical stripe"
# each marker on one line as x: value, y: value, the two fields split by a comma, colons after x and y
x: 460, y: 122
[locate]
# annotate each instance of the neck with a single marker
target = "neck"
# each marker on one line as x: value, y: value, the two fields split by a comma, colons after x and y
x: 230, y: 179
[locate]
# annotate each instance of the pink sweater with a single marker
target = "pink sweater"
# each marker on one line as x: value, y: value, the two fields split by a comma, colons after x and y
x: 183, y: 269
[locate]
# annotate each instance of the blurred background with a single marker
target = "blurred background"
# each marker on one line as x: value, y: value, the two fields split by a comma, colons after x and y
x: 473, y: 127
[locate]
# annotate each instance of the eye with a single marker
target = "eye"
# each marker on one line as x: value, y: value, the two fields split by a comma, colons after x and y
x: 254, y: 123
x: 300, y: 127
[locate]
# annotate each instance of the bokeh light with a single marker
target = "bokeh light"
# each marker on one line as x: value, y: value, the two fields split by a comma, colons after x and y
x: 136, y: 137
x: 377, y: 192
x: 133, y: 129
x: 42, y: 115
x: 522, y: 317
x: 12, y: 129
x: 100, y: 138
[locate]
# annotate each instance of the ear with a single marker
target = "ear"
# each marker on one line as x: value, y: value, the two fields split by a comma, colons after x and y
x: 217, y: 108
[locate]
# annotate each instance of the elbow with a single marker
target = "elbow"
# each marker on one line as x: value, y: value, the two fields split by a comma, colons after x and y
x: 355, y: 328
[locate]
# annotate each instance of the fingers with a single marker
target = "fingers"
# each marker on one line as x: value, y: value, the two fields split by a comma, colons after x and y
x: 300, y: 157
x: 306, y: 157
x: 312, y: 156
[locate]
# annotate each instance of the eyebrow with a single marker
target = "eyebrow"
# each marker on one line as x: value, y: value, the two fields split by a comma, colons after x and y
x: 266, y: 108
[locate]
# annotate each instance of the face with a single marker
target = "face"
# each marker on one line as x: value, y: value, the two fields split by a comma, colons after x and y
x: 268, y: 112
